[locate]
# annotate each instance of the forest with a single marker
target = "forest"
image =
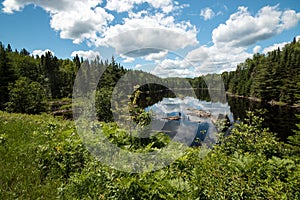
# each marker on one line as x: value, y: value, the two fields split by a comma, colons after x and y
x: 43, y: 157
x: 271, y: 77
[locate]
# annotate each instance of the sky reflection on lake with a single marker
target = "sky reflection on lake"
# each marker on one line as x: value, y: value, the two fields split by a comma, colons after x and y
x: 188, y: 128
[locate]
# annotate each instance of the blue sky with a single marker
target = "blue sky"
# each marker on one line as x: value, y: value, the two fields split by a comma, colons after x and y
x: 167, y: 38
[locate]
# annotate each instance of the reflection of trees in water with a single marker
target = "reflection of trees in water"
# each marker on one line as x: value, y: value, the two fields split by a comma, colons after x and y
x: 202, y: 94
x: 153, y: 93
x: 280, y: 119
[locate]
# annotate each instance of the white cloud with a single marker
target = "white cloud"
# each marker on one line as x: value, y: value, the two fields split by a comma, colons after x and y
x: 173, y: 68
x: 90, y: 55
x: 127, y: 5
x: 77, y: 20
x: 88, y: 21
x: 157, y: 56
x: 39, y: 52
x: 149, y: 31
x: 290, y: 19
x: 231, y: 40
x: 274, y: 47
x: 9, y: 6
x: 207, y: 13
x: 81, y: 24
x: 215, y: 60
x: 256, y: 49
x: 127, y: 59
x: 242, y: 29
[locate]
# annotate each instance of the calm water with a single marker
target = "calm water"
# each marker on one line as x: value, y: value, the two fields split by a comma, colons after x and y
x: 180, y: 119
x: 279, y: 119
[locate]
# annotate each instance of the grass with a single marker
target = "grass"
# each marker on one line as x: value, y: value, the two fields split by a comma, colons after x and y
x: 20, y: 175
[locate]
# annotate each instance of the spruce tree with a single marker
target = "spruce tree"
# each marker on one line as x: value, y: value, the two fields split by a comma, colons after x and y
x: 6, y: 76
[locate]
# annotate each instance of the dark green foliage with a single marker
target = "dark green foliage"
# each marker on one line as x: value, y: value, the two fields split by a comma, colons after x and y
x: 50, y: 65
x: 103, y: 105
x: 26, y: 96
x: 250, y: 137
x: 6, y: 76
x: 25, y: 66
x: 274, y: 76
x: 294, y: 142
x: 53, y: 76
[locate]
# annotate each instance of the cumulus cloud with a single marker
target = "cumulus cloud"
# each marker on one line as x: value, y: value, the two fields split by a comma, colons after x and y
x: 127, y: 59
x: 76, y: 20
x: 242, y: 29
x: 215, y: 60
x: 80, y: 24
x: 90, y: 55
x: 127, y: 5
x: 149, y: 31
x: 39, y: 52
x: 152, y: 35
x: 89, y: 21
x: 207, y: 13
x: 231, y: 40
x: 9, y: 6
x: 157, y: 56
x: 290, y: 19
x: 173, y: 68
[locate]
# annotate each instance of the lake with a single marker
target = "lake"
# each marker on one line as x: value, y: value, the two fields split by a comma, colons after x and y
x: 187, y: 124
x: 279, y: 119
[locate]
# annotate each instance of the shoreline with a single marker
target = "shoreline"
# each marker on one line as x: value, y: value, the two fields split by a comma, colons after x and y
x: 272, y: 102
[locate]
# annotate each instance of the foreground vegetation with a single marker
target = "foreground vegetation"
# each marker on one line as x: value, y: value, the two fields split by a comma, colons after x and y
x: 42, y: 157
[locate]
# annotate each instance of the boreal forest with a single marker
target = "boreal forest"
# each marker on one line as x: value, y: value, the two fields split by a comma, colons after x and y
x: 274, y: 76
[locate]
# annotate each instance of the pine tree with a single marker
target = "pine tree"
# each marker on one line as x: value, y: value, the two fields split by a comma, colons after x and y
x: 6, y: 76
x: 77, y: 62
x: 8, y: 48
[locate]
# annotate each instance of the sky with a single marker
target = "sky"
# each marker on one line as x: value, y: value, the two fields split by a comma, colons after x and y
x: 167, y: 38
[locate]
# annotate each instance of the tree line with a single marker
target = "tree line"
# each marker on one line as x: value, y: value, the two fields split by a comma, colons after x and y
x: 29, y: 83
x: 274, y: 76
